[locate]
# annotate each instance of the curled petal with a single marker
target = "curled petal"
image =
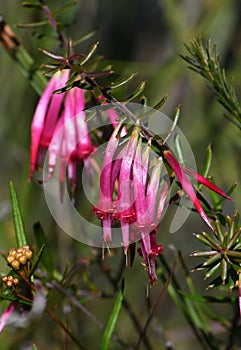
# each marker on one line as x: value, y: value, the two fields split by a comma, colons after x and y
x: 186, y: 185
x: 202, y: 180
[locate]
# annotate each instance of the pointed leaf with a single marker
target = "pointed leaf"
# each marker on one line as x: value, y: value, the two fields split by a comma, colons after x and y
x: 89, y: 54
x: 112, y: 320
x: 207, y: 162
x: 37, y: 260
x: 30, y: 4
x: 212, y: 270
x: 41, y: 240
x: 122, y: 81
x: 140, y: 88
x: 84, y: 37
x: 17, y: 218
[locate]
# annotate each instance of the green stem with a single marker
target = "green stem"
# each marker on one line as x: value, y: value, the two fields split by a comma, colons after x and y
x: 18, y: 53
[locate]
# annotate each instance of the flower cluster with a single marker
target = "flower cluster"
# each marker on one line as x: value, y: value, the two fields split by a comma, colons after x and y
x: 59, y: 126
x: 135, y: 199
x: 128, y: 197
x: 10, y: 281
x: 19, y: 259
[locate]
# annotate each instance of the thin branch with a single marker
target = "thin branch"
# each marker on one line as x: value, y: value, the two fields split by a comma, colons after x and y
x: 157, y: 303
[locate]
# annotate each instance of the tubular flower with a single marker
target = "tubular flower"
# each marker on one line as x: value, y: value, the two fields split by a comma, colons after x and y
x: 6, y: 316
x: 181, y: 173
x: 59, y: 126
x: 131, y: 198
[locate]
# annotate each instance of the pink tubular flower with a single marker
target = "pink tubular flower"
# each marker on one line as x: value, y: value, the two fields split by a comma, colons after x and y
x: 129, y: 198
x: 187, y: 186
x: 5, y: 316
x: 106, y: 208
x: 59, y: 126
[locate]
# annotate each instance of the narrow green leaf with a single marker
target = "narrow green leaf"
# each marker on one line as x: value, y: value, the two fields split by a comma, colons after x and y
x: 112, y: 320
x: 207, y: 165
x: 212, y: 260
x: 17, y: 218
x: 41, y: 241
x: 84, y: 38
x: 37, y: 260
x: 160, y: 103
x: 207, y: 240
x: 122, y: 81
x: 224, y: 270
x: 140, y: 88
x: 234, y: 254
x: 174, y: 124
x: 204, y: 254
x: 178, y: 149
x: 218, y: 231
x: 212, y: 270
x: 32, y: 25
x: 215, y: 198
x: 89, y: 54
x: 35, y: 347
x: 209, y: 299
x: 233, y: 240
x: 65, y: 8
x: 30, y: 4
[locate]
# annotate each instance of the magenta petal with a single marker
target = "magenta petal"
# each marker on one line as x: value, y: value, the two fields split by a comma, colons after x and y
x: 62, y: 170
x: 70, y: 132
x: 106, y: 180
x: 51, y: 119
x: 152, y: 190
x: 186, y: 185
x: 5, y: 316
x: 38, y: 123
x: 162, y: 201
x: 126, y: 156
x: 37, y: 127
x: 107, y: 236
x: 55, y: 147
x: 202, y: 180
x: 79, y: 96
x: 84, y: 145
x: 139, y: 179
x: 145, y: 244
x: 125, y: 236
x: 72, y: 171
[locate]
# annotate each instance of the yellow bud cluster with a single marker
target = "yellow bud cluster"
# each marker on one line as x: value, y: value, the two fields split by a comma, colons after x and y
x: 10, y: 281
x: 18, y: 257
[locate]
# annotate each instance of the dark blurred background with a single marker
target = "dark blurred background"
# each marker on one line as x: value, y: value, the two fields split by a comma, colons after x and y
x: 147, y: 37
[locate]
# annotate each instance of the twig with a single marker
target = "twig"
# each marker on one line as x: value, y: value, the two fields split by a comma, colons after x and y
x: 157, y: 303
x: 127, y: 306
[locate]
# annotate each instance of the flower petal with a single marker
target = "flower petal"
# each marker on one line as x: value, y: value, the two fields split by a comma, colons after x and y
x: 186, y: 185
x: 37, y: 127
x: 5, y: 316
x: 202, y: 180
